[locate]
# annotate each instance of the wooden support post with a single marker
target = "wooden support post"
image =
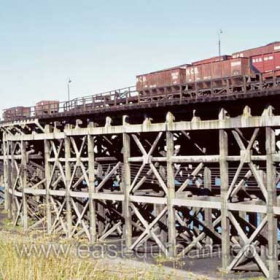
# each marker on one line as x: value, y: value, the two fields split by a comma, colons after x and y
x: 48, y: 184
x: 92, y: 209
x: 126, y: 185
x: 208, y: 211
x: 24, y: 184
x: 68, y: 181
x: 271, y: 202
x: 10, y: 187
x: 170, y: 195
x: 262, y: 216
x: 7, y: 184
x: 224, y: 188
x: 12, y: 176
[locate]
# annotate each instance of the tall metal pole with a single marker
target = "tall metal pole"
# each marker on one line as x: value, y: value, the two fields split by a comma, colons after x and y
x: 219, y: 36
x: 68, y: 88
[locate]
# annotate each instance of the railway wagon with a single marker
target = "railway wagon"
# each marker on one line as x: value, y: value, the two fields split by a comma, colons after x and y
x: 168, y: 77
x: 46, y: 107
x: 14, y: 113
x: 219, y: 70
x: 212, y: 59
x: 269, y: 48
x: 267, y: 64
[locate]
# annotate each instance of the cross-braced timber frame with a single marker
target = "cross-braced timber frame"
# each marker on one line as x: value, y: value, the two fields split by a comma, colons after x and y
x: 180, y: 186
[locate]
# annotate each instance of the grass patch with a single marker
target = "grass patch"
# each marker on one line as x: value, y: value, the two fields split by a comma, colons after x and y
x: 14, y: 265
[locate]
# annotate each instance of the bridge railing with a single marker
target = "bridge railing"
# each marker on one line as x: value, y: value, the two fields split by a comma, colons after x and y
x: 101, y: 100
x: 105, y: 99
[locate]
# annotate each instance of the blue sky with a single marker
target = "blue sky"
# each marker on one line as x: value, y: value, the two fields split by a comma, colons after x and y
x: 103, y: 45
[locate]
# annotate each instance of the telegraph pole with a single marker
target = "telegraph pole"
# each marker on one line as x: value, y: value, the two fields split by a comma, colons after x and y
x: 219, y: 43
x: 68, y: 88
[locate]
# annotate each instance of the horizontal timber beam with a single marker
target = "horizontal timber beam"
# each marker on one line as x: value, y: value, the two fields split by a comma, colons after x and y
x: 229, y: 123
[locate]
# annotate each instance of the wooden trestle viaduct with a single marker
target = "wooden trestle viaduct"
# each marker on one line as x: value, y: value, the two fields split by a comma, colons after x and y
x: 178, y: 176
